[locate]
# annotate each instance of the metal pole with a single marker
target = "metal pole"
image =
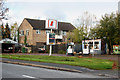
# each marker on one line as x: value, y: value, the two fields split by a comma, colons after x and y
x: 50, y: 47
x: 50, y: 50
x: 93, y: 46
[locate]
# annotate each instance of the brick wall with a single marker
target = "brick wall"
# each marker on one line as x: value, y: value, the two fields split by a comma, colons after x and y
x: 42, y: 37
x: 33, y: 37
x: 26, y: 26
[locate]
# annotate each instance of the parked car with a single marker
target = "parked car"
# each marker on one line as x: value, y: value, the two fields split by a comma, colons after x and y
x: 41, y: 49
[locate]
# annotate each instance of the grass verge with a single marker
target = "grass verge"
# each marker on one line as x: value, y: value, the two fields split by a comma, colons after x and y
x: 92, y: 63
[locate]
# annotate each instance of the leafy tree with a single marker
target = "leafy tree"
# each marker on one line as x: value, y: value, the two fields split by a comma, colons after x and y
x: 70, y: 36
x: 117, y: 29
x: 77, y: 35
x: 7, y: 31
x: 14, y: 31
x: 108, y: 29
x: 18, y: 35
x: 25, y: 40
x: 2, y: 31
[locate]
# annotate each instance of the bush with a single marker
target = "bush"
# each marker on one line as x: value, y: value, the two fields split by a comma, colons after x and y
x: 61, y: 52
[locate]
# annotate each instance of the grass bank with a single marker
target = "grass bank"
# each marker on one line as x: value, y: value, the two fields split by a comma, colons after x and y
x: 92, y: 63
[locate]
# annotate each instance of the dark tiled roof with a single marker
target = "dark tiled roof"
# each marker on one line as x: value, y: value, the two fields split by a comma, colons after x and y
x: 40, y: 24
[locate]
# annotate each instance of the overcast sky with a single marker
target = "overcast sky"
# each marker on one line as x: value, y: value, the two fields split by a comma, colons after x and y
x: 62, y: 10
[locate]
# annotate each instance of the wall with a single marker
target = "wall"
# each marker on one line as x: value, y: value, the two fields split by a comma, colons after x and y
x: 26, y: 26
x: 42, y: 37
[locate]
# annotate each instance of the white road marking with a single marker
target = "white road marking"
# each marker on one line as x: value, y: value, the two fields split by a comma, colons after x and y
x: 28, y: 76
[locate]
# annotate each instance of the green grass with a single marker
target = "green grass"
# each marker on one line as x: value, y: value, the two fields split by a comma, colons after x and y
x: 93, y: 63
x: 0, y: 55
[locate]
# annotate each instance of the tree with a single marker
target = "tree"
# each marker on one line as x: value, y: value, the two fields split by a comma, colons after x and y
x: 25, y: 40
x: 3, y: 10
x: 117, y: 29
x: 14, y: 31
x: 7, y: 31
x: 86, y: 21
x: 107, y: 24
x: 2, y: 31
x: 18, y: 35
x: 77, y: 35
x: 83, y: 26
x: 109, y: 29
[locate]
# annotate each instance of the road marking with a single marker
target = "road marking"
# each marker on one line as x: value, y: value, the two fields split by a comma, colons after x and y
x: 28, y: 76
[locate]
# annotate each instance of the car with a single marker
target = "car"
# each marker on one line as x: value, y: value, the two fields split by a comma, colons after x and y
x: 41, y: 49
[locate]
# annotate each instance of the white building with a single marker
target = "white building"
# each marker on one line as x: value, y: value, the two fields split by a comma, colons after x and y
x: 93, y: 46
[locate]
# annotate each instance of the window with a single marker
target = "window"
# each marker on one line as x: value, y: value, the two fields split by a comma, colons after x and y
x: 64, y: 32
x: 22, y: 32
x: 85, y: 46
x: 61, y: 32
x: 37, y: 31
x: 47, y: 31
x: 96, y: 46
x: 27, y: 32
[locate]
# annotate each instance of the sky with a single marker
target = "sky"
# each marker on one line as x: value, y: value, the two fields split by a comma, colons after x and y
x: 61, y: 10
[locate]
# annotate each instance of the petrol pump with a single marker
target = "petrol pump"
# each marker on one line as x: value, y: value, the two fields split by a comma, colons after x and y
x: 70, y: 49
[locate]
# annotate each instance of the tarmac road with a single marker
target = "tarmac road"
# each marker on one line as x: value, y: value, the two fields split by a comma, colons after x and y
x: 21, y: 71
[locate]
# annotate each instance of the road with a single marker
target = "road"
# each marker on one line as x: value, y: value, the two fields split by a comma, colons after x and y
x: 21, y: 71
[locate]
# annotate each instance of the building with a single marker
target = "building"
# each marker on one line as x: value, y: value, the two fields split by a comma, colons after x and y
x: 36, y: 32
x: 96, y: 46
x: 8, y: 46
x: 119, y: 6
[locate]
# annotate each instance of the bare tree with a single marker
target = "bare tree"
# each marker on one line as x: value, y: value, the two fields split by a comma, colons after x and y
x: 86, y: 21
x: 3, y: 10
x: 83, y: 25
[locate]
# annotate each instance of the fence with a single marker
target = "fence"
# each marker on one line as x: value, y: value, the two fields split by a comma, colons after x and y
x: 57, y: 48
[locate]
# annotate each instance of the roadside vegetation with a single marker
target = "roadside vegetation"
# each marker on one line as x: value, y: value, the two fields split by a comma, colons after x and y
x: 92, y: 63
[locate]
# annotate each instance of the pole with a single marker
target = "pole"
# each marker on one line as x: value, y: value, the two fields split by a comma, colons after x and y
x: 50, y: 50
x: 50, y: 47
x: 93, y: 46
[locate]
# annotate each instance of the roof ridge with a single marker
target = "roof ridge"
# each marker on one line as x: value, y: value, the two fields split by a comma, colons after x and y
x: 34, y: 19
x: 40, y: 24
x: 45, y: 20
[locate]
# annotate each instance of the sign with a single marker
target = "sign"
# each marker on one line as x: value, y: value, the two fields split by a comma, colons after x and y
x: 50, y: 38
x: 116, y: 49
x: 51, y: 24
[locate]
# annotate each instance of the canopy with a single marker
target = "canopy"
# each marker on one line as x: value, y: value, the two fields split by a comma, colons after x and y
x: 6, y: 40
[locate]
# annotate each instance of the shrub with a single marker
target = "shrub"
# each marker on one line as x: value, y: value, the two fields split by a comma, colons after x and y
x: 61, y: 52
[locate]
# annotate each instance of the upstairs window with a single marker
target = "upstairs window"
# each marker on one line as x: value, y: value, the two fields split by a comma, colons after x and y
x: 27, y: 32
x: 47, y: 31
x: 38, y: 31
x: 22, y: 33
x: 64, y: 32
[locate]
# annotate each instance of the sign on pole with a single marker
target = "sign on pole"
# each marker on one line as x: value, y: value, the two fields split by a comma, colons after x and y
x: 51, y: 24
x: 50, y: 38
